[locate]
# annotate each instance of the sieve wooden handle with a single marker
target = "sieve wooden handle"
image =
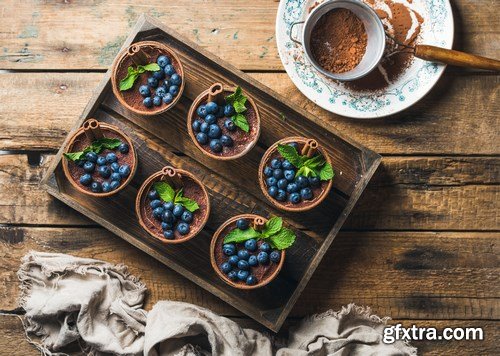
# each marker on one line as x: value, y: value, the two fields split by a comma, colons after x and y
x: 456, y: 58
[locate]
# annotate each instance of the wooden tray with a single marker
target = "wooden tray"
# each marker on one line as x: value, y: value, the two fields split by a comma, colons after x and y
x: 232, y: 185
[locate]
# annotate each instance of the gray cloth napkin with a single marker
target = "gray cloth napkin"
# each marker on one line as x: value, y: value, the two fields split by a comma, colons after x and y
x: 69, y: 299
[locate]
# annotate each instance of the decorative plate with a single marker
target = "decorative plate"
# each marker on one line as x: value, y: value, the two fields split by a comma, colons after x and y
x: 412, y: 85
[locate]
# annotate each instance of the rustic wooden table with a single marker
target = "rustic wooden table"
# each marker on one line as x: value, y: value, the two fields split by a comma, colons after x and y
x: 420, y: 246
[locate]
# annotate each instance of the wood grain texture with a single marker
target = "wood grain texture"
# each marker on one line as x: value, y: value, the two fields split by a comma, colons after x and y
x: 441, y: 123
x: 457, y: 274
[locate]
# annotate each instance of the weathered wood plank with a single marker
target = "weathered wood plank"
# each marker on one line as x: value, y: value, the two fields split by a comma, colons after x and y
x: 456, y: 273
x: 442, y: 123
x: 416, y: 193
x: 43, y: 35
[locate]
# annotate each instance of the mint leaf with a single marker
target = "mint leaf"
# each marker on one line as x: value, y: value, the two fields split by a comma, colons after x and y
x: 241, y: 121
x: 231, y: 98
x: 272, y: 226
x: 133, y: 73
x: 306, y: 172
x: 128, y: 82
x: 316, y: 161
x: 165, y: 191
x: 283, y: 239
x: 189, y: 204
x: 74, y: 156
x: 290, y: 153
x: 109, y: 143
x: 326, y: 172
x: 239, y: 107
x: 151, y: 67
x: 238, y: 235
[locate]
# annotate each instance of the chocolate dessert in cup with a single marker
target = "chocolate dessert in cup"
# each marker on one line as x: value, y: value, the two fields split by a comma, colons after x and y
x: 172, y: 205
x: 248, y: 251
x: 223, y: 122
x: 295, y: 174
x: 99, y: 159
x: 147, y: 78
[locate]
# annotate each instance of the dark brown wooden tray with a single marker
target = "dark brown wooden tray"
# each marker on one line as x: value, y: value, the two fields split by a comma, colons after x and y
x: 232, y: 185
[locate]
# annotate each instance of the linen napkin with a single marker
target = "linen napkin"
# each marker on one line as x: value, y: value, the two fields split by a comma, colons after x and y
x: 69, y: 299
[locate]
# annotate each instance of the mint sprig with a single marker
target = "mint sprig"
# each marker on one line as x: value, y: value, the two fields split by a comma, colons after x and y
x: 168, y: 194
x: 133, y: 73
x: 280, y: 237
x: 97, y: 147
x: 315, y: 166
x: 238, y: 101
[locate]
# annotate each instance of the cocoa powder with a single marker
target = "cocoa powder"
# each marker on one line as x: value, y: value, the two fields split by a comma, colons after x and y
x: 338, y: 41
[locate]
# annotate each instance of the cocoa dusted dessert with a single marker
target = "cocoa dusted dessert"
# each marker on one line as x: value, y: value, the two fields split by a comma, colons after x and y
x: 224, y: 123
x: 295, y: 174
x: 99, y: 159
x: 248, y: 251
x: 172, y: 205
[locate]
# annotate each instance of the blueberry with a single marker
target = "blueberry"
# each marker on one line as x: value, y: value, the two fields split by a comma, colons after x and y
x: 173, y: 90
x: 167, y: 216
x: 144, y: 91
x: 204, y: 127
x: 175, y: 79
x: 271, y: 182
x: 178, y: 210
x: 268, y: 171
x: 281, y: 196
x: 294, y: 198
x: 229, y: 110
x: 306, y: 193
x: 275, y: 163
x: 211, y: 107
x: 202, y: 138
x: 157, y: 213
x: 106, y: 187
x: 168, y: 98
x: 243, y: 265
x: 101, y: 161
x: 242, y: 275
x: 292, y: 188
x: 265, y: 247
x: 152, y: 82
x: 183, y: 228
x: 286, y: 164
x: 168, y: 205
x: 163, y: 61
x: 282, y: 183
x: 229, y: 125
x: 111, y: 157
x: 166, y: 226
x: 272, y: 191
x: 161, y: 91
x: 155, y: 203
x: 196, y: 126
x: 201, y: 111
x: 226, y: 267
x: 302, y: 181
x: 115, y: 167
x: 226, y: 141
x: 124, y: 170
x: 86, y: 179
x: 157, y: 100
x: 251, y: 280
x: 275, y: 256
x: 91, y: 157
x: 123, y: 148
x: 147, y: 102
x: 251, y: 245
x: 242, y: 224
x: 187, y: 216
x: 233, y: 275
x: 169, y: 234
x: 233, y: 260
x: 153, y: 194
x: 229, y: 249
x: 263, y: 257
x: 220, y: 112
x: 210, y: 119
x: 278, y: 173
x: 115, y: 184
x: 169, y: 70
x: 96, y: 187
x: 116, y: 176
x: 243, y: 255
x: 216, y: 146
x: 214, y: 131
x: 294, y: 145
x: 252, y: 261
x: 314, y: 181
x: 289, y: 175
x: 159, y: 75
x: 89, y: 167
x: 104, y: 171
